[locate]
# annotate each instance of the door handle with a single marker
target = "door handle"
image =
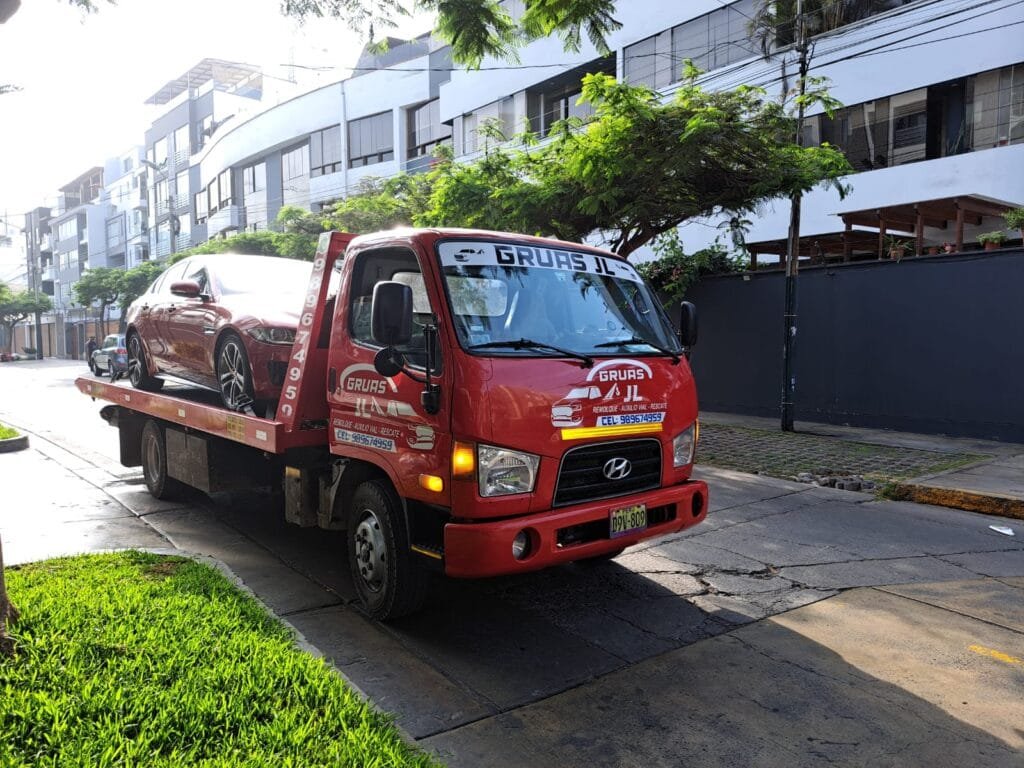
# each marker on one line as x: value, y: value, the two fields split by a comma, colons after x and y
x: 171, y: 308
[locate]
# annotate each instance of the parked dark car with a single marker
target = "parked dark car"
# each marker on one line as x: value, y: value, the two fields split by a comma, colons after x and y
x: 222, y: 321
x: 111, y: 357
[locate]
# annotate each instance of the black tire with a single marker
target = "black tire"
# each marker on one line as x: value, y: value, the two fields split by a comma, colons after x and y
x: 389, y: 584
x: 154, y: 464
x: 138, y: 367
x: 96, y: 370
x: 234, y: 374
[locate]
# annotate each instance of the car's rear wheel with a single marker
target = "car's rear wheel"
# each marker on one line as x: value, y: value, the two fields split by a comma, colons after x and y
x: 234, y: 374
x: 96, y: 370
x: 138, y: 370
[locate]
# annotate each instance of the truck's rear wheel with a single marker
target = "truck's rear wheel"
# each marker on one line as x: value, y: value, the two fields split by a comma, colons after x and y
x: 387, y: 581
x: 154, y: 463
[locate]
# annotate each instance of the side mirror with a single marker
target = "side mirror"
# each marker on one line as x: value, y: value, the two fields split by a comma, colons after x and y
x: 688, y: 324
x: 391, y: 314
x: 187, y: 288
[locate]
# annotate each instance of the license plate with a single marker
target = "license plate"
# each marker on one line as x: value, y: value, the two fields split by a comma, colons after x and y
x: 627, y: 520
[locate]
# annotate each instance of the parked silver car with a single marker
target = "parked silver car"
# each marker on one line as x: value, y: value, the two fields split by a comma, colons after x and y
x: 111, y: 358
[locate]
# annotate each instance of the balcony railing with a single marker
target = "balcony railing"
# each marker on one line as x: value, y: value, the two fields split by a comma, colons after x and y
x: 230, y: 217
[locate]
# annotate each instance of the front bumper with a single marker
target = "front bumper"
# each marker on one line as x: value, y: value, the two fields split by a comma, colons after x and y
x: 473, y: 550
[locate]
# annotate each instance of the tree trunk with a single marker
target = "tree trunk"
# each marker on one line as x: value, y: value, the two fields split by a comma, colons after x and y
x: 8, y: 613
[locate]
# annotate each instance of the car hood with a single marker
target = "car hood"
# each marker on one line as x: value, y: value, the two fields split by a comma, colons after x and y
x: 278, y: 311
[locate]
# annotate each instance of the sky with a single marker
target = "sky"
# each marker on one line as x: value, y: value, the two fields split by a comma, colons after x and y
x: 85, y: 78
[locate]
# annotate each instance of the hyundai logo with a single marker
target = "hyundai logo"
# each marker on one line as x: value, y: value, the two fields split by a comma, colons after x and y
x: 617, y: 468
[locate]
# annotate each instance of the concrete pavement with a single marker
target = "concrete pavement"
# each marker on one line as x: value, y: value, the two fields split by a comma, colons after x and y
x: 797, y: 625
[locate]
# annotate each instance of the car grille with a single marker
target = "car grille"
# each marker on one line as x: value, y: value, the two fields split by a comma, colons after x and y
x: 581, y: 477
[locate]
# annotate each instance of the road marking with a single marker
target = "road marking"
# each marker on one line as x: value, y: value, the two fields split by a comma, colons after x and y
x: 997, y: 655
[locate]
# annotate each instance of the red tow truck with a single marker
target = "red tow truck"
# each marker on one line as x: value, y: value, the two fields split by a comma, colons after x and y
x: 471, y: 402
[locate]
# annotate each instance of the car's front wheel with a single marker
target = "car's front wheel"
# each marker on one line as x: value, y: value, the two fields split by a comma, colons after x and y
x: 234, y: 374
x: 138, y: 370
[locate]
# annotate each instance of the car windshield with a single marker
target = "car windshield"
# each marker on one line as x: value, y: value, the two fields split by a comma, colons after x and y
x: 502, y: 293
x: 261, y: 274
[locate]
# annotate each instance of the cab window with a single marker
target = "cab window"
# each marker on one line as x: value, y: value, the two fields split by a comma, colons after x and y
x: 400, y: 265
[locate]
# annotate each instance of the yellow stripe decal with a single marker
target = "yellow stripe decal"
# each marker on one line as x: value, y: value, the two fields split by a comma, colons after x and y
x: 576, y: 433
x: 997, y: 655
x: 426, y: 552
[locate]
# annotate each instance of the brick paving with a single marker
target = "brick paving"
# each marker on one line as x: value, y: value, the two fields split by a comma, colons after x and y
x: 788, y: 454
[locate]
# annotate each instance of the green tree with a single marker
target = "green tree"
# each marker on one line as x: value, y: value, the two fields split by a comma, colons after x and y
x: 15, y: 307
x: 101, y: 287
x: 476, y: 28
x: 379, y: 204
x: 641, y: 167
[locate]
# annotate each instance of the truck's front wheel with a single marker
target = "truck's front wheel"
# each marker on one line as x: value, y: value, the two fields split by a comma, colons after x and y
x: 388, y: 583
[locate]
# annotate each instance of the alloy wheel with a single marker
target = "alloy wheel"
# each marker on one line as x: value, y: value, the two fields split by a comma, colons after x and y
x: 233, y: 373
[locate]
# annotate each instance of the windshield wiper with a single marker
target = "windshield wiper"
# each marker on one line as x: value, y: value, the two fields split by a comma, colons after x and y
x: 588, y: 362
x: 638, y: 340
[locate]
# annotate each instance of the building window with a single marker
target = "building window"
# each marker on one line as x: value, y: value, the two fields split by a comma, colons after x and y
x: 213, y: 197
x: 995, y: 108
x: 181, y: 140
x: 158, y: 152
x: 325, y: 151
x: 295, y: 163
x: 499, y: 114
x: 181, y: 187
x: 254, y: 178
x: 224, y: 180
x: 115, y: 236
x: 201, y: 207
x: 425, y: 131
x: 126, y: 164
x: 67, y: 229
x: 371, y: 140
x: 160, y: 195
x: 711, y: 41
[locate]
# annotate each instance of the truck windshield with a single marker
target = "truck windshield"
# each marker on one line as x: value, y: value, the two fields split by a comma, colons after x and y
x: 575, y: 300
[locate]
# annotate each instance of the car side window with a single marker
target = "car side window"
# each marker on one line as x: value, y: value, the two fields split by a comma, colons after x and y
x: 110, y: 341
x: 201, y: 277
x: 400, y: 265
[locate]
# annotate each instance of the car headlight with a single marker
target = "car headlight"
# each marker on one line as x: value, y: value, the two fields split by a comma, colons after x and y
x: 685, y: 445
x: 273, y: 335
x: 502, y: 472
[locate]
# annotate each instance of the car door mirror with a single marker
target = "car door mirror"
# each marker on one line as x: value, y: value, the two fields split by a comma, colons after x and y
x: 391, y: 314
x: 189, y: 289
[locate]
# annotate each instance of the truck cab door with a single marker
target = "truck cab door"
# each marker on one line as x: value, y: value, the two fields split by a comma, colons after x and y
x: 383, y: 419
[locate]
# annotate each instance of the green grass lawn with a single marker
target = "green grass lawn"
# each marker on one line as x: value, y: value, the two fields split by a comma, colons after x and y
x: 6, y: 432
x: 133, y: 659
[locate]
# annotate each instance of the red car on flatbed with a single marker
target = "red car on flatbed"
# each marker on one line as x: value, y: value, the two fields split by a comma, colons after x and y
x: 471, y: 402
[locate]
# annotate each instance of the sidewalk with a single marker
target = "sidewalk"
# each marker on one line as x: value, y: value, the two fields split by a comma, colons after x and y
x: 961, y: 473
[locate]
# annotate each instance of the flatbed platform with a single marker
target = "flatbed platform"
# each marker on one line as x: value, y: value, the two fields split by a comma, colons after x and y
x: 201, y: 411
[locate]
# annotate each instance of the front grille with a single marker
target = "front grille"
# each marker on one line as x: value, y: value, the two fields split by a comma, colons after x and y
x: 581, y: 477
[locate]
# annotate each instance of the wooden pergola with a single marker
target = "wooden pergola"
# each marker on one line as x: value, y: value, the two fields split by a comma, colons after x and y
x: 914, y: 217
x: 906, y: 220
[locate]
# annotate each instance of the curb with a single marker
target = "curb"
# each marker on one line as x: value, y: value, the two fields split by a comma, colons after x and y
x: 956, y: 498
x: 11, y: 444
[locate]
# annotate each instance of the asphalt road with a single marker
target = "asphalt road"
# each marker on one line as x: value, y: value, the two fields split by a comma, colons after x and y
x: 796, y: 626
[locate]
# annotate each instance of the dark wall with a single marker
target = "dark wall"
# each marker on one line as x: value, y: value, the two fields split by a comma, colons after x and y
x: 933, y: 345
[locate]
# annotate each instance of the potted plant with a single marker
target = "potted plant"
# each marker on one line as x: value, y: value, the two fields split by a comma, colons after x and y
x: 992, y: 240
x: 897, y: 247
x: 1014, y: 219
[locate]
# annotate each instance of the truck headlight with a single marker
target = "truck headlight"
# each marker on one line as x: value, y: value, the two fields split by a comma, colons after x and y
x: 273, y: 335
x: 502, y: 472
x: 685, y: 445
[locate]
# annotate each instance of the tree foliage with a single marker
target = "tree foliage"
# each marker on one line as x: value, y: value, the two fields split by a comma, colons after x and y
x: 15, y: 307
x: 99, y: 286
x: 476, y: 28
x: 675, y: 271
x: 641, y: 167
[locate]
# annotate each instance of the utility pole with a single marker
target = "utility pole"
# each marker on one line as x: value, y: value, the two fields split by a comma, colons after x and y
x: 793, y: 249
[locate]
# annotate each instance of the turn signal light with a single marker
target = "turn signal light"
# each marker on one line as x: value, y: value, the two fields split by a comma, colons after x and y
x: 464, y: 461
x: 432, y: 483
